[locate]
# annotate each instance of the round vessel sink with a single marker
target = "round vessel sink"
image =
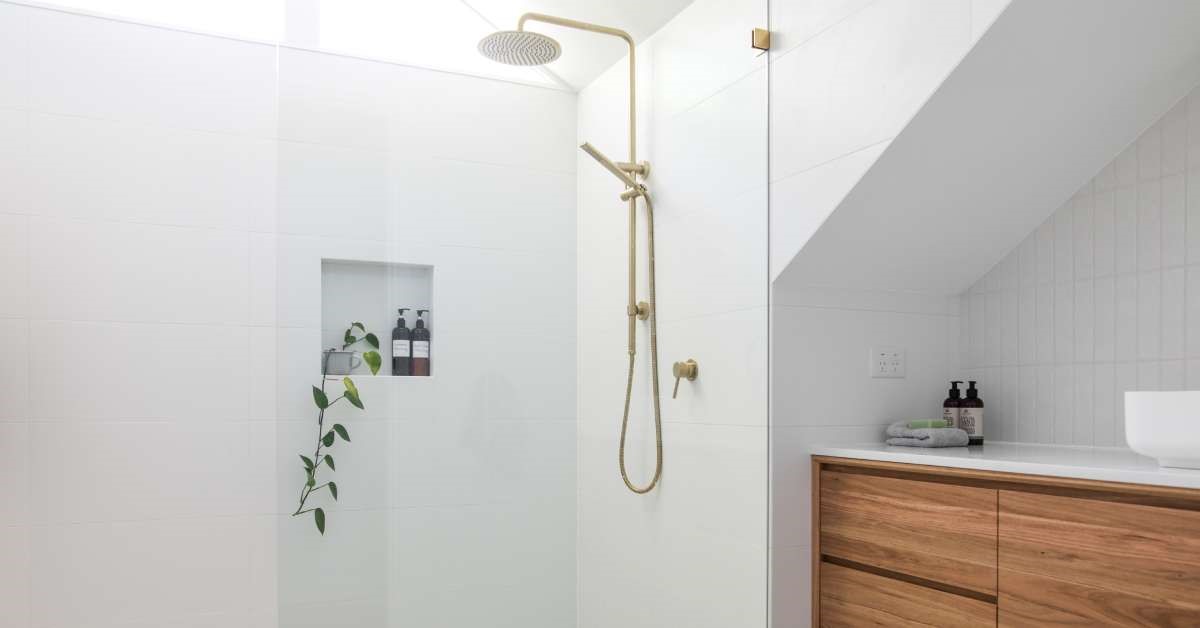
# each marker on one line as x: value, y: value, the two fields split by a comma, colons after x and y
x: 1165, y: 426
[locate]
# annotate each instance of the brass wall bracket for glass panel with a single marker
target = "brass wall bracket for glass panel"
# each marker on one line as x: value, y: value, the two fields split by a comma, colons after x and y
x: 760, y: 39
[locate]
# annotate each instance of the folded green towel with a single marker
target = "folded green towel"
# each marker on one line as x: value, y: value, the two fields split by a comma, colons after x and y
x: 926, y: 423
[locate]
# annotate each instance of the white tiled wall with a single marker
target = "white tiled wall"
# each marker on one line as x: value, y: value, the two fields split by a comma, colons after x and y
x: 1098, y: 300
x: 692, y: 553
x: 836, y: 103
x: 165, y: 201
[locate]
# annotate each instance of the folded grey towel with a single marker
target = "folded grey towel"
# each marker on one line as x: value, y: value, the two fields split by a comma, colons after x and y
x: 900, y: 434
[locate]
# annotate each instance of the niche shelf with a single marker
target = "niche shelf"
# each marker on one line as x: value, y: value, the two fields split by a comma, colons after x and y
x: 371, y: 293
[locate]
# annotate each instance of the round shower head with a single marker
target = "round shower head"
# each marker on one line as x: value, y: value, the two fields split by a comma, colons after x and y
x: 520, y: 48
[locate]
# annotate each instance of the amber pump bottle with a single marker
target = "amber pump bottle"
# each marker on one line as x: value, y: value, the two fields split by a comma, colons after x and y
x: 420, y: 346
x: 950, y: 407
x: 970, y: 418
x: 401, y: 347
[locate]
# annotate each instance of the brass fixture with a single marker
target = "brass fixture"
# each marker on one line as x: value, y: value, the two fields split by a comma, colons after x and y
x: 688, y: 370
x: 521, y: 47
x: 760, y: 39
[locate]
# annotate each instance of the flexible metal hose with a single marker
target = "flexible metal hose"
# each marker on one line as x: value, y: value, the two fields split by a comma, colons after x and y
x: 658, y: 442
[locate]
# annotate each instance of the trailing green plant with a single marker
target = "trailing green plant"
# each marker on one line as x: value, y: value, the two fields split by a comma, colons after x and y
x: 327, y: 438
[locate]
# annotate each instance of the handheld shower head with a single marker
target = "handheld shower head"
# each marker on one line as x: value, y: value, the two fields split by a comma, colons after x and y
x: 520, y: 48
x: 609, y: 165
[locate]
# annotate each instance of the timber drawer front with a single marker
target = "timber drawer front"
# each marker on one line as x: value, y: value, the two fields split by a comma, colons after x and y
x: 913, y: 545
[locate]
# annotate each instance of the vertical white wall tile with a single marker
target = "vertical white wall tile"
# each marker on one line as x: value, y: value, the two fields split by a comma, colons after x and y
x: 1149, y: 376
x: 1027, y: 397
x: 1193, y: 312
x: 1192, y: 192
x: 1149, y: 226
x: 1149, y: 315
x: 1174, y: 287
x: 1045, y: 252
x: 1064, y: 322
x: 1027, y: 325
x: 1125, y: 222
x: 1172, y: 375
x: 1045, y: 323
x: 1064, y: 241
x: 15, y: 369
x: 1044, y: 406
x: 1084, y: 411
x: 1126, y: 166
x: 1126, y: 318
x: 1104, y: 325
x: 1083, y: 224
x: 1126, y: 380
x: 1104, y: 396
x: 1064, y: 404
x: 1084, y: 325
x: 14, y: 157
x: 1104, y: 234
x: 14, y: 578
x: 1174, y: 219
x: 14, y: 265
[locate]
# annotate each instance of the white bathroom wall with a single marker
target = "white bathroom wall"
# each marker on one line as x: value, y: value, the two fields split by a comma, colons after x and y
x: 845, y: 79
x: 693, y: 552
x: 165, y: 200
x: 457, y: 493
x: 1098, y: 300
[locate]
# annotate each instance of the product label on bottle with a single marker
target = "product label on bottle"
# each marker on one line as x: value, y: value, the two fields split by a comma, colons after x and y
x: 970, y: 420
x: 950, y: 416
x: 399, y: 348
x: 420, y: 349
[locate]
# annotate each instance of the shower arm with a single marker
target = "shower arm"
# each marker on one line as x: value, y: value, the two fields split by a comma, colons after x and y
x: 632, y: 166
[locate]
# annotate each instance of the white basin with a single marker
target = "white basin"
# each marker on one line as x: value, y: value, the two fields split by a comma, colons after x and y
x: 1165, y: 425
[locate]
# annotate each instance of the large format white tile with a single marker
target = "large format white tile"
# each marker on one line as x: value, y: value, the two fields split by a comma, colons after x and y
x: 14, y: 153
x: 348, y: 556
x: 138, y: 571
x: 14, y: 55
x: 14, y: 578
x: 87, y: 270
x: 14, y: 369
x: 128, y: 171
x: 334, y: 191
x: 732, y: 386
x: 14, y: 266
x: 102, y: 68
x: 839, y: 91
x: 14, y: 473
x: 136, y: 470
x: 794, y: 22
x: 106, y: 371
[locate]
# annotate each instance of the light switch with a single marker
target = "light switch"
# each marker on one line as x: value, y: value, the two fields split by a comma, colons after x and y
x: 887, y: 362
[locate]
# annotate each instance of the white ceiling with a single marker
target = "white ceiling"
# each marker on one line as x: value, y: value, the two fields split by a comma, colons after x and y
x: 585, y: 55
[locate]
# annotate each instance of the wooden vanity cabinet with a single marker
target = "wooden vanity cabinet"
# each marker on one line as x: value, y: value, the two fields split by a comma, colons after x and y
x: 913, y: 545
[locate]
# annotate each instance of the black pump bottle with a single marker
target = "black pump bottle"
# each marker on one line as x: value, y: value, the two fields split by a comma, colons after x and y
x: 970, y: 416
x: 401, y: 347
x: 420, y: 346
x: 951, y: 405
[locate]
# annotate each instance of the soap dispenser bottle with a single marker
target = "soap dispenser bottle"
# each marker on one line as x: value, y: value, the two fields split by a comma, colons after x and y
x: 401, y: 347
x: 970, y: 418
x: 420, y: 346
x: 950, y: 407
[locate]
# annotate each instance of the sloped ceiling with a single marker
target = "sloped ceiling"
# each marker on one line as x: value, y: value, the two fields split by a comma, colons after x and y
x: 585, y: 55
x: 1048, y: 96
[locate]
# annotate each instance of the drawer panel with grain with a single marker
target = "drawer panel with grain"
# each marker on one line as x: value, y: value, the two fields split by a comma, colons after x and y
x: 850, y: 597
x: 1092, y: 562
x: 936, y: 531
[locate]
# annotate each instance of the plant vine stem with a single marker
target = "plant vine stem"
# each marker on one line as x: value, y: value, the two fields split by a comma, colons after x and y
x: 306, y: 490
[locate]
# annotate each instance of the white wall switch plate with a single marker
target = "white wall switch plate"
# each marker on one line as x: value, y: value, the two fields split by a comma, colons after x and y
x: 887, y: 362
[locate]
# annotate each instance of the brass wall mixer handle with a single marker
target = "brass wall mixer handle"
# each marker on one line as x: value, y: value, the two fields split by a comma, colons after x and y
x: 688, y: 370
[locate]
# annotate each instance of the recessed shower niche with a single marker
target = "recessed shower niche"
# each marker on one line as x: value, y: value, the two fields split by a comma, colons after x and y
x: 373, y: 293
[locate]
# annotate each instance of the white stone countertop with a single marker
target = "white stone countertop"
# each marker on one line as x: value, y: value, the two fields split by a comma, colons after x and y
x: 1109, y: 464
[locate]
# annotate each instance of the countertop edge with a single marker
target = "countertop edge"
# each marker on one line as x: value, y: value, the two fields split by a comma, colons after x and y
x: 1174, y: 478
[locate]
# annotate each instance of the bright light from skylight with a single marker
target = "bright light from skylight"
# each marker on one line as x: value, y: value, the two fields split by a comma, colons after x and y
x: 440, y: 34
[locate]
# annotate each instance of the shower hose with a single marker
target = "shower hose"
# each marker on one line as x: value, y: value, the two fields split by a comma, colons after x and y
x: 658, y: 443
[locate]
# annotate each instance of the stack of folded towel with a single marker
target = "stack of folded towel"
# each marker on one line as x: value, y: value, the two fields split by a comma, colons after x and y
x: 925, y: 434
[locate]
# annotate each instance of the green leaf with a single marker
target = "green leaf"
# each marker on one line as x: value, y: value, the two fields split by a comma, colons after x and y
x: 308, y: 463
x: 320, y: 398
x: 372, y: 340
x: 352, y: 396
x: 348, y: 339
x: 373, y: 360
x: 350, y: 387
x: 327, y: 439
x: 329, y: 461
x: 333, y: 490
x: 319, y: 518
x: 341, y: 431
x: 358, y: 325
x: 311, y: 481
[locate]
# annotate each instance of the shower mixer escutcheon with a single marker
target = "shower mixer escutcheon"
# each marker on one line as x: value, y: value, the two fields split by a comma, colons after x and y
x: 641, y: 310
x: 688, y: 370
